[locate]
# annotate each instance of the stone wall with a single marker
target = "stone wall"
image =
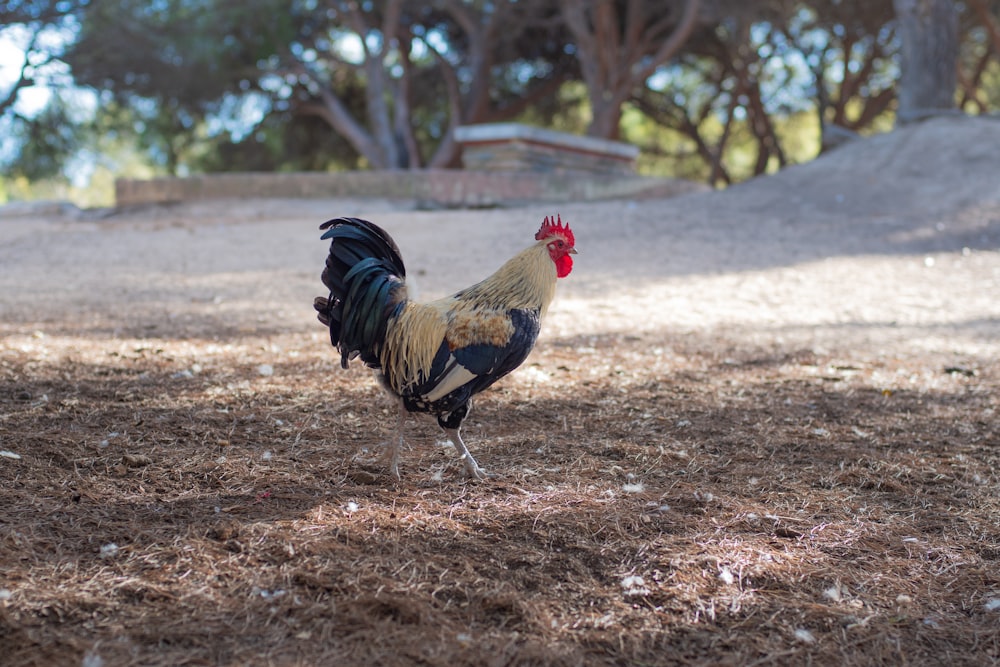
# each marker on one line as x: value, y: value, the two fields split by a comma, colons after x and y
x: 440, y: 187
x: 517, y: 147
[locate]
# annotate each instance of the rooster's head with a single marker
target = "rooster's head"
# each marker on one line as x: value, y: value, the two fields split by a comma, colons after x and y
x: 560, y: 242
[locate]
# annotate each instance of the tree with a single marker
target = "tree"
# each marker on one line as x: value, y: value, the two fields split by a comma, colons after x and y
x: 849, y: 47
x: 619, y: 47
x: 990, y: 19
x: 175, y: 65
x: 928, y: 32
x: 700, y: 107
x: 979, y: 61
x: 331, y: 84
x: 511, y: 57
x: 24, y: 77
x: 440, y: 62
x: 38, y: 22
x: 35, y: 141
x: 46, y: 142
x: 752, y: 70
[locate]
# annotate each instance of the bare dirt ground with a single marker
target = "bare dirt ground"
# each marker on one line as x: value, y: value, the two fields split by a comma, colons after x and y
x: 760, y: 428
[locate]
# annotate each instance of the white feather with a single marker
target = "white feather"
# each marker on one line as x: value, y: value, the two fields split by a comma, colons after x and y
x: 452, y: 380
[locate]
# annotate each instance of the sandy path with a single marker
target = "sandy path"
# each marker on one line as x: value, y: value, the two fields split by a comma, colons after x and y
x: 871, y: 250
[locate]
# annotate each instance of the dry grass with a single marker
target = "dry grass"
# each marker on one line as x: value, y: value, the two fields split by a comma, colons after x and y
x: 657, y: 503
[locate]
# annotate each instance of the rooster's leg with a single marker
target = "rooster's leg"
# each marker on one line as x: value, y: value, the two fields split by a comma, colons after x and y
x: 451, y: 424
x: 396, y: 442
x: 472, y: 468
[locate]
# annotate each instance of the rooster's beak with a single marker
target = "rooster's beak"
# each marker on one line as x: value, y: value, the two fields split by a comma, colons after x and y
x: 572, y: 251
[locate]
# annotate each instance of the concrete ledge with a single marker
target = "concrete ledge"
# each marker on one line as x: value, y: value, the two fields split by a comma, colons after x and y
x: 38, y: 209
x: 512, y: 146
x: 428, y: 188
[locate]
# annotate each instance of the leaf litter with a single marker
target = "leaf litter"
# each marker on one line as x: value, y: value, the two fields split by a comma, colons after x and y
x: 241, y: 518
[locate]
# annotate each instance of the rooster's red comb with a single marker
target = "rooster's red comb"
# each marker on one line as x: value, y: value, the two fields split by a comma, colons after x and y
x: 548, y: 229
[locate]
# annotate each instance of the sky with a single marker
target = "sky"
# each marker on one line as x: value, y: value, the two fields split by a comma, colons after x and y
x: 13, y: 39
x: 32, y: 99
x: 11, y: 58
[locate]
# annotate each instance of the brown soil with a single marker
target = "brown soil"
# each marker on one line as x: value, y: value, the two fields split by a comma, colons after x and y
x: 760, y: 428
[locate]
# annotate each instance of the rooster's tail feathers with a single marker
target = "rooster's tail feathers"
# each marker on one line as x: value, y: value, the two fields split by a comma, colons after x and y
x: 366, y: 235
x: 364, y: 272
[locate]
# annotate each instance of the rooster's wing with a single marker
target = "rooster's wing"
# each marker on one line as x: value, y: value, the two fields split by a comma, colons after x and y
x: 475, y: 353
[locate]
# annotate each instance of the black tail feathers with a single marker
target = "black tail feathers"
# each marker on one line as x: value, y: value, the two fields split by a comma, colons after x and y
x: 364, y: 273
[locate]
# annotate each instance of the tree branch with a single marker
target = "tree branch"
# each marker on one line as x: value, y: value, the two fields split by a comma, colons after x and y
x: 990, y: 21
x: 447, y: 150
x: 401, y: 107
x: 23, y: 80
x: 673, y: 44
x: 334, y: 112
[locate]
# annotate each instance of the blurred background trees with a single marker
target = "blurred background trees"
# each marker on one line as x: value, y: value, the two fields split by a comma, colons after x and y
x: 715, y: 90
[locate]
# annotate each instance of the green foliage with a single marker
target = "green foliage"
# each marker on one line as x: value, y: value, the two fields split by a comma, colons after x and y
x: 45, y: 142
x: 800, y: 136
x: 979, y: 64
x: 165, y: 68
x: 282, y: 142
x: 185, y: 86
x: 185, y: 53
x: 566, y: 111
x: 990, y: 86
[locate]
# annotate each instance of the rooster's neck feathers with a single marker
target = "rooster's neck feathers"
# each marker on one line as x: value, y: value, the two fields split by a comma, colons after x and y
x: 527, y: 281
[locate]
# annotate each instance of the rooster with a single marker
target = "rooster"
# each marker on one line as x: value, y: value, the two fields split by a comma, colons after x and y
x: 434, y: 357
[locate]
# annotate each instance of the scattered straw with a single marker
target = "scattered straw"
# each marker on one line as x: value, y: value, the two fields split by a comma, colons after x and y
x: 787, y: 512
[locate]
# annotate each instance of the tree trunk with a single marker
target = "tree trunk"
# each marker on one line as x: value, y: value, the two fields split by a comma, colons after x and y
x: 619, y: 46
x: 990, y: 21
x: 928, y: 31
